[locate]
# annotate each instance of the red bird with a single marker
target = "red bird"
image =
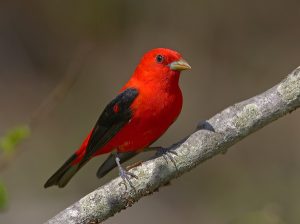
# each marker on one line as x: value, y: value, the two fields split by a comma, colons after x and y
x: 144, y: 109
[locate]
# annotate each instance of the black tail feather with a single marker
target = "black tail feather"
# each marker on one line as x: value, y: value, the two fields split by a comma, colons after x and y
x: 63, y: 175
x: 110, y: 162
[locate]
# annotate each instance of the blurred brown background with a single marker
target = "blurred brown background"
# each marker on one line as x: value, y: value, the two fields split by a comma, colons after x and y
x: 237, y: 49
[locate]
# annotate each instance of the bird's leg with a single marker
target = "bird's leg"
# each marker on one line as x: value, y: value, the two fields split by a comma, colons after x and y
x: 124, y: 173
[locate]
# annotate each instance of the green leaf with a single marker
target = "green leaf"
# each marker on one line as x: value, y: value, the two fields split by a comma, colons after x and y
x: 14, y: 137
x: 3, y: 197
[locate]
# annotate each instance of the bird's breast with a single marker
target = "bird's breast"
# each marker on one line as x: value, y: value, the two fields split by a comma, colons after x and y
x: 153, y: 112
x: 157, y: 105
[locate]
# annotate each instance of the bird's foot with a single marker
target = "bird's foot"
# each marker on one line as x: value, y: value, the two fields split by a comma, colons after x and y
x: 124, y: 174
x: 166, y: 153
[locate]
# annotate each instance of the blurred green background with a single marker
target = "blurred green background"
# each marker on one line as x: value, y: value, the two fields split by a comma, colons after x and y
x: 237, y: 49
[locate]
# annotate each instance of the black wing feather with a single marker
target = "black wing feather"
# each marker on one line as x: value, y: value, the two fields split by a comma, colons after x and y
x: 108, y: 124
x: 111, y: 121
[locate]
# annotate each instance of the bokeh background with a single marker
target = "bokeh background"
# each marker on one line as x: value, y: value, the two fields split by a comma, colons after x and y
x: 237, y: 49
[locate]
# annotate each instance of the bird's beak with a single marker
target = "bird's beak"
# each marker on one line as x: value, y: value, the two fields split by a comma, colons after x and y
x: 180, y: 65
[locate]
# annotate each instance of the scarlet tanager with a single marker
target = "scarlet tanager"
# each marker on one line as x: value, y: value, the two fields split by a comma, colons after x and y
x: 144, y: 109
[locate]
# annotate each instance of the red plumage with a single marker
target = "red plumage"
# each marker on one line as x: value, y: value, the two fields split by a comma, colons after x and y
x: 155, y: 106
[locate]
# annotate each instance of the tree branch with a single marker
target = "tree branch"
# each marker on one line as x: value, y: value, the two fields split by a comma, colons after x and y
x: 213, y: 136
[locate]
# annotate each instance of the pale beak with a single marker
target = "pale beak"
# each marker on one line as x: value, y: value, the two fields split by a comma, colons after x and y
x: 180, y: 65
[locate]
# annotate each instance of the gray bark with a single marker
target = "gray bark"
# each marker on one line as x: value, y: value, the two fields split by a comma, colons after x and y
x: 213, y: 136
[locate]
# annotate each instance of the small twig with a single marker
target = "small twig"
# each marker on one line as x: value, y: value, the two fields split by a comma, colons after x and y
x: 62, y: 88
x: 51, y: 101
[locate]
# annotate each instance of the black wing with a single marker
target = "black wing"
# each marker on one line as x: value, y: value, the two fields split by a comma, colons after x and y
x: 116, y: 114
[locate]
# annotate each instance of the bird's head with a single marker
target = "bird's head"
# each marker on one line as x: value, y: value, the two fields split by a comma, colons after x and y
x: 161, y: 65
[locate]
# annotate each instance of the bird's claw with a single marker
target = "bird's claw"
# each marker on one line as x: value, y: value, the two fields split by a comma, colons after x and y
x: 126, y: 175
x: 166, y: 153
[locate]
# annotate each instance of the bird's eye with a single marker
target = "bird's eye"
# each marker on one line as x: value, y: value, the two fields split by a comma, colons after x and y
x: 159, y: 58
